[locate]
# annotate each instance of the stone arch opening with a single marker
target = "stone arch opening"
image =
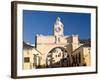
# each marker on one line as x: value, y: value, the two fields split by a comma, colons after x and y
x: 58, y: 57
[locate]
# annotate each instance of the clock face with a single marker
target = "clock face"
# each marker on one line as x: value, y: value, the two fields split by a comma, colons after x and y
x: 58, y: 29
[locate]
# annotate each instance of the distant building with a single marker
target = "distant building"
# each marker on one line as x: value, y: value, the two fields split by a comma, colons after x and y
x: 56, y: 50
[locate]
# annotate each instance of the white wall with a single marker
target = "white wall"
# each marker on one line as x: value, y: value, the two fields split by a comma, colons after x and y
x: 5, y: 40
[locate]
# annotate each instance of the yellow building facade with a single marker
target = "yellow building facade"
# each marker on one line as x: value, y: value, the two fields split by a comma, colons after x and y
x: 57, y: 50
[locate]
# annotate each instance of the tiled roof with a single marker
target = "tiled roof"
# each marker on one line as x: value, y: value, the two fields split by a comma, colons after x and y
x: 86, y: 43
x: 27, y: 46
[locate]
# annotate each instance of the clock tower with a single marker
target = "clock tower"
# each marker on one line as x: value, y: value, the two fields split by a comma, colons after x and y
x: 58, y: 27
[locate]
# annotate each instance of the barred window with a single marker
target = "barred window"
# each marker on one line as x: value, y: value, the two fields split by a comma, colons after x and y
x: 26, y: 59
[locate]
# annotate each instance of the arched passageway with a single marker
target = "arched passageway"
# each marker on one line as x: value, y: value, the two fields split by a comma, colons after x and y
x: 58, y: 57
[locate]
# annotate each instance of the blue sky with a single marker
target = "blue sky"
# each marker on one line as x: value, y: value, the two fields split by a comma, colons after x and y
x: 41, y: 22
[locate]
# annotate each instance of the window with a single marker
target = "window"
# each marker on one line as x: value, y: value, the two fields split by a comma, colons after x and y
x: 26, y: 59
x: 79, y: 57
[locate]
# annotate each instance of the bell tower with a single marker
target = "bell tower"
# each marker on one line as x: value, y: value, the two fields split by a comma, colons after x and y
x: 58, y: 27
